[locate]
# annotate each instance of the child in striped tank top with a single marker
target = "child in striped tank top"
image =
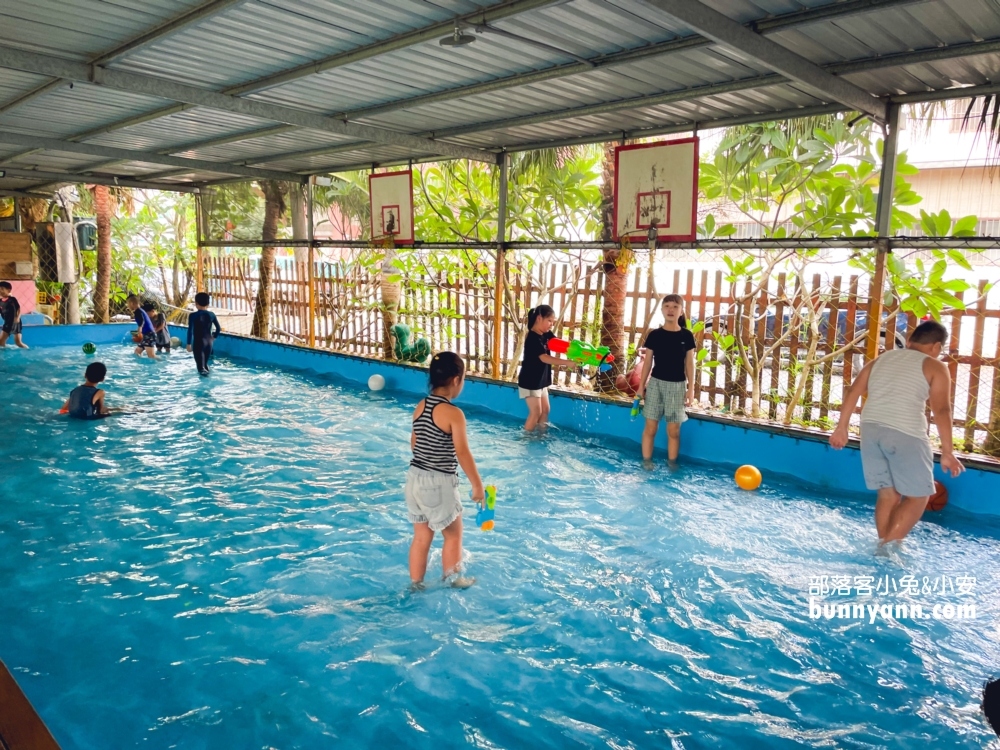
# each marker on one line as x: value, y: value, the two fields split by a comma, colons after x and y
x: 440, y: 446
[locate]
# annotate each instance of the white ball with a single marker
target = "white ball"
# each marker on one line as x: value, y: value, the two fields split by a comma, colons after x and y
x: 376, y: 382
x: 175, y: 342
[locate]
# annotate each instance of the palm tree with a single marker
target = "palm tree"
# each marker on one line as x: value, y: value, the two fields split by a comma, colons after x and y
x: 274, y: 209
x: 102, y: 286
x: 615, y: 279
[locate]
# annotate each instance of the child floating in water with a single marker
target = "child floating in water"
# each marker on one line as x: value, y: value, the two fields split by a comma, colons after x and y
x: 896, y: 455
x: 145, y: 328
x: 536, y: 368
x: 10, y: 311
x: 87, y: 401
x: 439, y: 445
x: 671, y: 386
x: 201, y: 337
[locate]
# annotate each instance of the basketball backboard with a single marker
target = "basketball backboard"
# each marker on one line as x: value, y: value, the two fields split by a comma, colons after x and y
x: 391, y: 196
x: 656, y: 184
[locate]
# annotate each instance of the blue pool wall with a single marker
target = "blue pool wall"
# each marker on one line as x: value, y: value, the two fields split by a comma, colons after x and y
x: 796, y: 455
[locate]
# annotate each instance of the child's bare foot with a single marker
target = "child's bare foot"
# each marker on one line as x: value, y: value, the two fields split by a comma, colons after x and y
x: 22, y: 345
x: 461, y: 582
x: 417, y: 586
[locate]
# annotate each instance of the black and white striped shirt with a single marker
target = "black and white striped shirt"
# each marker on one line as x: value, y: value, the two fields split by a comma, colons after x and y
x: 434, y: 449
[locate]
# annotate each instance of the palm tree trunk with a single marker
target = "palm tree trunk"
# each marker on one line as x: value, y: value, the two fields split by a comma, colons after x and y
x: 391, y: 291
x: 615, y: 280
x: 102, y: 286
x: 274, y: 208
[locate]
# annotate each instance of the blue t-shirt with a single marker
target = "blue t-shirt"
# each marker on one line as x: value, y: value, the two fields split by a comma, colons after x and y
x: 143, y: 322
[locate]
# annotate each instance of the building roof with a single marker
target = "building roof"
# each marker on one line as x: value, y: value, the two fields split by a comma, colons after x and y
x: 181, y: 93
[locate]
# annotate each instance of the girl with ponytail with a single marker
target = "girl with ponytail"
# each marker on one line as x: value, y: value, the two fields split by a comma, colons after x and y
x: 536, y: 368
x: 671, y: 386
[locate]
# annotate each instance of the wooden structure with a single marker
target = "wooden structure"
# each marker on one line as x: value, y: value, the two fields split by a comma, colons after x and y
x: 21, y: 728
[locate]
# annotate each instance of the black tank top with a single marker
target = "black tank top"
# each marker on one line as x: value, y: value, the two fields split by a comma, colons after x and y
x: 81, y: 403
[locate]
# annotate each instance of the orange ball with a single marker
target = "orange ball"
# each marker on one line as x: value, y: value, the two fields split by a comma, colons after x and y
x: 748, y: 477
x: 940, y: 497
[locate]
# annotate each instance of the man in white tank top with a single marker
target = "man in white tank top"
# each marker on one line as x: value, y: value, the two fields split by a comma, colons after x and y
x: 896, y: 453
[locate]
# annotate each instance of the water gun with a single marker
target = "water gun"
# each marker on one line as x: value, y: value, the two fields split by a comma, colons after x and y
x: 583, y: 353
x: 484, y: 518
x: 635, y: 408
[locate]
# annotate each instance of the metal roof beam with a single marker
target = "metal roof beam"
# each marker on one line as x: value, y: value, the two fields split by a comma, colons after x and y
x: 399, y: 41
x: 765, y: 26
x: 160, y: 87
x: 53, y: 178
x: 788, y: 20
x: 28, y: 96
x: 155, y: 34
x: 966, y: 92
x: 670, y: 97
x: 107, y: 152
x: 220, y: 141
x: 852, y: 66
x: 798, y: 18
x: 195, y: 15
x: 729, y: 33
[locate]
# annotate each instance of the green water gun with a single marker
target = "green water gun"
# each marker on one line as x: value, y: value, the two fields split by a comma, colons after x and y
x: 583, y: 353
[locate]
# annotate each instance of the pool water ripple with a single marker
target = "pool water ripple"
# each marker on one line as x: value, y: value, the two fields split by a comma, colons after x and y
x: 227, y: 568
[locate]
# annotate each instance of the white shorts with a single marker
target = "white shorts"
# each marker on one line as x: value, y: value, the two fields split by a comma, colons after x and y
x: 432, y: 498
x: 525, y: 393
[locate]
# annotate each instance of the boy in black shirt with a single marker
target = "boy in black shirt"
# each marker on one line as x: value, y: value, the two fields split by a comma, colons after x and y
x: 10, y: 311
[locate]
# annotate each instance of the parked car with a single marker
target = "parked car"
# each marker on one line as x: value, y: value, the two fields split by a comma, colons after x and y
x: 860, y: 327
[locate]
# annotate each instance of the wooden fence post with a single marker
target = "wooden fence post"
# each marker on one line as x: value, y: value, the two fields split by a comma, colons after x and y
x: 311, y: 262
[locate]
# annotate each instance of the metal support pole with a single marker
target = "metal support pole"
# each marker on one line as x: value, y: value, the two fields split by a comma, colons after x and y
x: 311, y: 262
x: 883, y: 227
x: 500, y: 268
x: 199, y: 223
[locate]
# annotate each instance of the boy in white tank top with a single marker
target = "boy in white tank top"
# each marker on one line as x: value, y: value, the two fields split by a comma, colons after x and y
x: 896, y: 453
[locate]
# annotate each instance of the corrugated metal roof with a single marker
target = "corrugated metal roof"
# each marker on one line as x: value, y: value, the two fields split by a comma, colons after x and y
x: 539, y: 90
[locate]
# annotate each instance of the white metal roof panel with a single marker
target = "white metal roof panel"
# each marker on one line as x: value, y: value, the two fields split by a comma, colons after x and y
x: 253, y: 39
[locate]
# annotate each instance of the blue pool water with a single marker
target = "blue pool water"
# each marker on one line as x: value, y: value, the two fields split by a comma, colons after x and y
x: 227, y: 569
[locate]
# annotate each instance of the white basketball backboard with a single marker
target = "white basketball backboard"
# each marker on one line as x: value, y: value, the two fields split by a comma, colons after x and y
x: 656, y: 184
x: 391, y: 195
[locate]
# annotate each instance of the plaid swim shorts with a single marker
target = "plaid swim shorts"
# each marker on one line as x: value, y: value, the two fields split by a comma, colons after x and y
x: 665, y: 400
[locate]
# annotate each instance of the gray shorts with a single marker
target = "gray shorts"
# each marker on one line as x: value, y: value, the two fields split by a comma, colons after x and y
x: 891, y: 458
x: 432, y: 498
x: 665, y: 400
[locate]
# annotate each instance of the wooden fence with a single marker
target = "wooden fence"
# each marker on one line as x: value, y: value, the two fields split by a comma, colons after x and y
x: 458, y: 316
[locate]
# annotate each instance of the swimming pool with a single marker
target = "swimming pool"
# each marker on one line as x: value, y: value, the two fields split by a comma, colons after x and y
x: 228, y: 569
